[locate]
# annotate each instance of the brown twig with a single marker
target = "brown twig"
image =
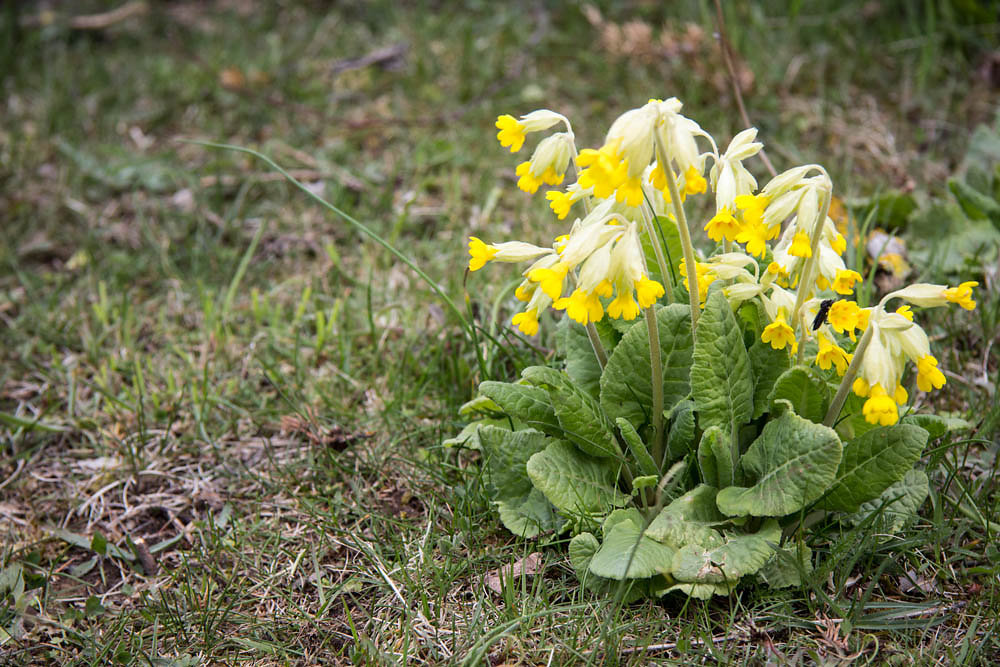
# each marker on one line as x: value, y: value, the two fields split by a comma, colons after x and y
x: 727, y: 56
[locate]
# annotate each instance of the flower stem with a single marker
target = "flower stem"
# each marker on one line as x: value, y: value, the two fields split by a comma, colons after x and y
x: 806, y: 278
x: 682, y: 228
x: 656, y: 377
x: 595, y: 342
x: 649, y: 220
x: 852, y: 371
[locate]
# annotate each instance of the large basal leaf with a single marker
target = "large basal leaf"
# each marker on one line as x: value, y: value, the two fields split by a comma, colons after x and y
x: 805, y: 390
x: 872, y: 463
x: 898, y: 504
x: 529, y: 405
x: 628, y: 554
x: 576, y: 350
x: 689, y: 520
x: 701, y: 591
x: 626, y: 384
x: 720, y: 373
x: 581, y: 551
x: 787, y: 567
x: 767, y: 365
x: 523, y: 509
x: 577, y: 484
x: 793, y: 461
x: 580, y: 416
x: 739, y: 556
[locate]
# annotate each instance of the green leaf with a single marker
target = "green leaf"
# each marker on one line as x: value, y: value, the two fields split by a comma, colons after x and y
x: 645, y: 482
x: 898, y: 504
x: 637, y: 448
x: 689, y: 520
x: 523, y: 509
x: 680, y: 439
x: 628, y: 554
x: 934, y: 425
x: 673, y: 250
x: 976, y: 205
x: 701, y: 591
x: 580, y: 417
x: 787, y: 566
x: 808, y: 393
x: 767, y: 365
x: 577, y: 484
x: 720, y: 374
x: 480, y: 405
x: 469, y: 437
x: 529, y: 516
x: 529, y: 405
x: 872, y: 463
x: 739, y: 556
x: 793, y: 461
x: 715, y: 458
x: 581, y: 551
x: 626, y: 384
x: 575, y: 348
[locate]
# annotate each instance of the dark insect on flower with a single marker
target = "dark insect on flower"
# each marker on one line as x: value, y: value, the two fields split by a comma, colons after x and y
x: 824, y: 309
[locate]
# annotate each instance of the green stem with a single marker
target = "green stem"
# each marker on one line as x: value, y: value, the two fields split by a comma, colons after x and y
x: 848, y: 380
x: 682, y: 228
x: 595, y: 342
x: 661, y: 260
x: 656, y: 376
x: 806, y: 277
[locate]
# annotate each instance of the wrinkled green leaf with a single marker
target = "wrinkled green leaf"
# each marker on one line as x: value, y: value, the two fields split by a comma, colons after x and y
x: 872, y: 463
x: 626, y: 384
x: 720, y: 373
x: 808, y: 393
x: 794, y: 461
x: 739, y: 556
x: 577, y: 484
x: 580, y: 416
x: 469, y: 437
x: 715, y: 458
x: 523, y: 509
x: 898, y: 504
x: 787, y: 566
x: 680, y: 438
x: 689, y: 519
x: 767, y: 365
x: 628, y: 554
x: 527, y: 404
x: 701, y: 591
x: 637, y: 447
x: 575, y: 348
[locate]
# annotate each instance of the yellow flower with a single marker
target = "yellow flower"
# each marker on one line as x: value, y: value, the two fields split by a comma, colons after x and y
x: 860, y: 386
x: 752, y: 207
x: 480, y: 253
x: 511, y: 134
x: 560, y: 202
x: 527, y: 181
x: 928, y: 375
x: 754, y: 235
x: 880, y: 408
x: 550, y: 279
x: 839, y: 244
x: 630, y: 192
x: 844, y: 317
x: 962, y: 295
x: 801, y: 245
x: 778, y: 333
x: 831, y: 355
x: 694, y: 182
x: 705, y: 278
x: 581, y: 307
x: 624, y: 306
x: 527, y: 321
x: 844, y: 282
x: 648, y: 291
x: 905, y: 311
x: 900, y: 395
x: 723, y: 225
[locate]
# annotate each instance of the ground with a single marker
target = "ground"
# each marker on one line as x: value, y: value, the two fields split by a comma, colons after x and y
x: 222, y: 405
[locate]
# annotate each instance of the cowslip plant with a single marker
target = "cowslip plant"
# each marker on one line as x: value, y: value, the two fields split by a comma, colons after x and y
x: 698, y: 420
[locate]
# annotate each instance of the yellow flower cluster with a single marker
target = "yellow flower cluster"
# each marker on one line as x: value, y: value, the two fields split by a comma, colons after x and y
x: 778, y: 246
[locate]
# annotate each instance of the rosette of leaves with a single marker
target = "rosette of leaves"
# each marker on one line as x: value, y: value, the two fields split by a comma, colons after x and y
x: 746, y: 463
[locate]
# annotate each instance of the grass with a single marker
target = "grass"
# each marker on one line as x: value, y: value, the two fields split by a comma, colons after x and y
x: 198, y: 358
